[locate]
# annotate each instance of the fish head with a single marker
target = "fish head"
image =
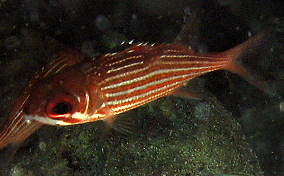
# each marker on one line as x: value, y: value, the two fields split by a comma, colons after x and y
x: 59, y: 99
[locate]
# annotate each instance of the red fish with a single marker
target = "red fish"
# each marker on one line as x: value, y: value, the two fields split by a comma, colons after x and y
x: 73, y: 89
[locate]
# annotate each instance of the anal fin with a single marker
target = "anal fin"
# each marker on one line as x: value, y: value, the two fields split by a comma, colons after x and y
x: 192, y: 90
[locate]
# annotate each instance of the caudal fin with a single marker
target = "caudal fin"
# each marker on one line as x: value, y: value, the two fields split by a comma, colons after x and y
x: 251, y: 46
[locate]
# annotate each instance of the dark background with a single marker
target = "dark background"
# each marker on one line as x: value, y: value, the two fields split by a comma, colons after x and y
x: 98, y: 27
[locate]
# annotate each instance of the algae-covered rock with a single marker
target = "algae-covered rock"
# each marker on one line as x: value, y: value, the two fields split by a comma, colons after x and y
x: 170, y: 136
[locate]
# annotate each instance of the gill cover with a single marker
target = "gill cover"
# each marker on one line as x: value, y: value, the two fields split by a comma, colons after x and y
x: 16, y: 128
x: 60, y: 98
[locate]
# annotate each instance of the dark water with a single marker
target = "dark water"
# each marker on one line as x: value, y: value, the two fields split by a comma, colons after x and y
x: 172, y: 135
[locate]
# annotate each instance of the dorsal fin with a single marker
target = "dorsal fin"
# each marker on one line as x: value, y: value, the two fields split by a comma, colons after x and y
x: 139, y: 48
x: 189, y: 34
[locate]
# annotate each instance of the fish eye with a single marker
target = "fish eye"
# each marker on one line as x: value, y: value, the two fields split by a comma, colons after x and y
x: 59, y: 109
x: 62, y: 108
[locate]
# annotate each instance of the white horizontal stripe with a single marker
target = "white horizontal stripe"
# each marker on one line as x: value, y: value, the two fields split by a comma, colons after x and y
x: 189, y: 56
x: 123, y: 60
x: 45, y: 120
x: 121, y: 109
x: 115, y: 102
x: 154, y: 73
x: 193, y: 62
x: 125, y: 66
x: 109, y: 54
x: 125, y: 74
x: 149, y: 84
x: 172, y: 51
x: 177, y: 56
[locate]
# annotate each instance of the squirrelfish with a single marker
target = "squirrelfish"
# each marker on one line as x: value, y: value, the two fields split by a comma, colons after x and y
x: 73, y: 89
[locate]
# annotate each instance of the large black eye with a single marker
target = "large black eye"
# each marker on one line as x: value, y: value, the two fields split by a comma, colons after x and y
x: 62, y: 108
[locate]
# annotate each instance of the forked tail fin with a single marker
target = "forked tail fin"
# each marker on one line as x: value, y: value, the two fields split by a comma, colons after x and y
x: 253, y: 45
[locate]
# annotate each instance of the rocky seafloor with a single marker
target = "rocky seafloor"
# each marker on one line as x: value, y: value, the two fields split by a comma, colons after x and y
x: 237, y: 130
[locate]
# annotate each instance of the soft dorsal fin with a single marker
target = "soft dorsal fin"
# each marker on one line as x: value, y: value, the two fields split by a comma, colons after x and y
x: 189, y: 34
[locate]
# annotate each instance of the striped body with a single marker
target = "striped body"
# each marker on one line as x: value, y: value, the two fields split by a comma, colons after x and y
x: 72, y: 89
x: 142, y: 73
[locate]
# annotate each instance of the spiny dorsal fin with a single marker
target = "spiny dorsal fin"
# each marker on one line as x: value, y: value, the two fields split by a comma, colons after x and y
x: 190, y: 32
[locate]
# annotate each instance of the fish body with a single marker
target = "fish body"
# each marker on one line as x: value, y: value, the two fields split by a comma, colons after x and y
x: 74, y: 90
x: 115, y: 83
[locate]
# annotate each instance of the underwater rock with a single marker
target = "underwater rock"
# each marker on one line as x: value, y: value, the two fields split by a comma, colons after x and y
x: 167, y: 140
